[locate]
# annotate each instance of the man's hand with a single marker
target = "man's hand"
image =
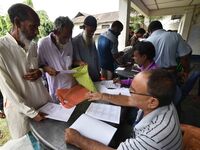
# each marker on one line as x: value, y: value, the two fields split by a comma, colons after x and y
x: 2, y: 115
x: 40, y: 116
x: 79, y: 63
x: 94, y: 96
x: 33, y: 74
x: 72, y: 136
x: 75, y: 138
x: 51, y: 71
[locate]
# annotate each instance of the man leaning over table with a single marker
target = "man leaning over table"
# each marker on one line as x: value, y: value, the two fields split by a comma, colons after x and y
x: 21, y: 85
x: 55, y: 54
x: 157, y: 124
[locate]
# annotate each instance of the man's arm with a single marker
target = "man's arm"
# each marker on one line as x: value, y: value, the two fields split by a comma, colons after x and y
x: 184, y: 60
x: 121, y: 100
x: 75, y: 138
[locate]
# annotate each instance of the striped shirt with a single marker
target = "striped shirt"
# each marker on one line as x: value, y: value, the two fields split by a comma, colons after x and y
x: 159, y: 130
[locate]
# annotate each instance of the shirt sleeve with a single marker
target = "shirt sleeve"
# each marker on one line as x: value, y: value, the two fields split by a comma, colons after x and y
x: 114, y: 49
x: 8, y: 89
x: 41, y: 54
x: 139, y: 143
x: 183, y: 48
x: 76, y: 55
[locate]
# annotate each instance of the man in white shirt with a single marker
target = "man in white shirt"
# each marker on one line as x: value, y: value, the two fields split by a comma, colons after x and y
x: 21, y: 85
x: 55, y: 55
x: 157, y: 124
x: 169, y: 46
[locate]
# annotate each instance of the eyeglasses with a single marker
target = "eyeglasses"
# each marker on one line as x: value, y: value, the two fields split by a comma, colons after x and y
x: 143, y: 94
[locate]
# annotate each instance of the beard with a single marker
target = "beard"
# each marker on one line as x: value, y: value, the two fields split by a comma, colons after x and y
x: 88, y: 40
x: 24, y: 40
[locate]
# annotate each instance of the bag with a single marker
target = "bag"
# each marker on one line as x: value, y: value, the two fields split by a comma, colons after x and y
x: 82, y: 77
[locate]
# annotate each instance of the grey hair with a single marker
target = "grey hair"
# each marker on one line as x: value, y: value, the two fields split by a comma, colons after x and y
x: 62, y: 22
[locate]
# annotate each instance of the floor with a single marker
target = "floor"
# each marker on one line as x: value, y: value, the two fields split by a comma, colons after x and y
x: 190, y: 107
x: 190, y: 110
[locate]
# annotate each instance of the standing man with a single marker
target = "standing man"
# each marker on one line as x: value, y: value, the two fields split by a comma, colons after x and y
x: 157, y: 125
x: 55, y: 54
x: 137, y: 36
x: 169, y: 46
x: 108, y: 49
x: 85, y: 51
x: 21, y: 85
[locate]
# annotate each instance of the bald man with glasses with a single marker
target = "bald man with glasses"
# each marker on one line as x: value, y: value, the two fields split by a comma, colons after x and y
x: 157, y: 125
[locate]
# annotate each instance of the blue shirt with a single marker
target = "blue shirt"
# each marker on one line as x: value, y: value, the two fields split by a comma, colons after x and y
x: 105, y: 55
x: 107, y: 47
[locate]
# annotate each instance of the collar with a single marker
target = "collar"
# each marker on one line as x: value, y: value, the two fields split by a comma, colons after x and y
x: 146, y: 120
x: 148, y: 67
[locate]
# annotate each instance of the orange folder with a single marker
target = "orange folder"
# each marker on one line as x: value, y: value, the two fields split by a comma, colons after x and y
x: 71, y: 97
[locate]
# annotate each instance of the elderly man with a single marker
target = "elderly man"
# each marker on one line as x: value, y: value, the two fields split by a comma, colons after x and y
x: 21, y: 85
x: 157, y: 124
x: 55, y: 54
x: 85, y: 51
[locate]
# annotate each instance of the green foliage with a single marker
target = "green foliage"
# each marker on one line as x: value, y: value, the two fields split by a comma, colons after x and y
x: 5, y: 25
x: 29, y: 3
x: 136, y: 20
x: 152, y: 18
x: 45, y: 28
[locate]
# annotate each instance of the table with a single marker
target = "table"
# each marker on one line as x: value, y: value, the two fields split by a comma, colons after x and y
x: 126, y: 73
x: 50, y: 133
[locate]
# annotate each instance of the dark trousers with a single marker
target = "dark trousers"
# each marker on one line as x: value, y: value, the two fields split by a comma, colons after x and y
x: 1, y: 101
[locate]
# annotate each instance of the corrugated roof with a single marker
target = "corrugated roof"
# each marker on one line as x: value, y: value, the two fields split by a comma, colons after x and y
x: 101, y: 18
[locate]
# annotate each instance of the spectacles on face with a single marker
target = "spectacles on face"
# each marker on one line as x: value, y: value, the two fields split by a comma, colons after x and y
x: 143, y: 94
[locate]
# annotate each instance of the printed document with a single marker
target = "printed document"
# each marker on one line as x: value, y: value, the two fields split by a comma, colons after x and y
x: 101, y: 87
x: 67, y: 71
x: 57, y: 111
x: 94, y: 129
x: 104, y: 112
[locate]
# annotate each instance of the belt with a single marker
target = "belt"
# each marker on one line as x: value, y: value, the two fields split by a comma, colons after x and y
x: 171, y: 68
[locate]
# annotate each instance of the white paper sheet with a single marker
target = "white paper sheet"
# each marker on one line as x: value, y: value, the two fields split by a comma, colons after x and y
x: 57, y: 111
x: 67, y: 71
x: 120, y: 68
x: 102, y: 89
x: 94, y: 129
x: 110, y: 85
x: 104, y: 112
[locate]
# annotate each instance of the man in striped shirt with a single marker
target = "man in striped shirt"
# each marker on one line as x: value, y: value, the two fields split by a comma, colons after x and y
x: 158, y: 127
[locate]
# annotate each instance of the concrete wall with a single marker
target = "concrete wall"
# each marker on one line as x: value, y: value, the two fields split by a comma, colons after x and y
x: 194, y: 34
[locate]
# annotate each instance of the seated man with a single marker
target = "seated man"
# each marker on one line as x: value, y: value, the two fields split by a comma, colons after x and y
x: 157, y: 125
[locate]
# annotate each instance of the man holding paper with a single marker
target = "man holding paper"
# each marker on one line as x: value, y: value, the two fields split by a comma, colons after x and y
x: 55, y: 56
x: 157, y: 124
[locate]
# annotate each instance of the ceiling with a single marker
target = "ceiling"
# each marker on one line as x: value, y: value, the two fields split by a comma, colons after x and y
x: 163, y: 7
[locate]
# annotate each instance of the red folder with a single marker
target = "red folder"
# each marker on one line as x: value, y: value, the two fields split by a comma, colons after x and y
x: 71, y: 97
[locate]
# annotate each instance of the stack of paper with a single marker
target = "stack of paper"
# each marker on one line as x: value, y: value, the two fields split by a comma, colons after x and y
x: 56, y: 111
x: 94, y: 129
x: 104, y: 112
x: 102, y: 89
x: 110, y: 85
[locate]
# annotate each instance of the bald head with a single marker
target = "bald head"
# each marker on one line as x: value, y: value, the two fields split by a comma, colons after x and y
x: 159, y: 83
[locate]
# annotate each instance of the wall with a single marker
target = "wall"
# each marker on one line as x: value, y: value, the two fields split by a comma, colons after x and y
x: 194, y: 35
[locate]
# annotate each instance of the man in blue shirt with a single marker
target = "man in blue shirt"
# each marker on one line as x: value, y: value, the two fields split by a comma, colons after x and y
x: 108, y: 49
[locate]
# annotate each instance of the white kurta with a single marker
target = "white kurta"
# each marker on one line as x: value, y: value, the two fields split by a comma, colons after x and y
x: 49, y: 55
x: 21, y: 97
